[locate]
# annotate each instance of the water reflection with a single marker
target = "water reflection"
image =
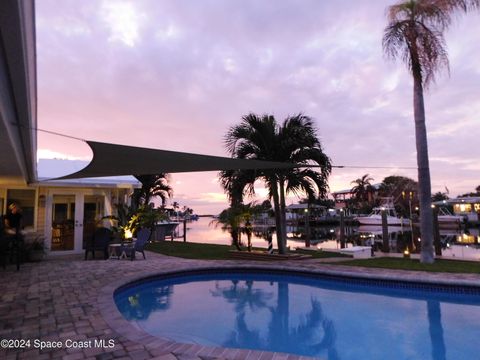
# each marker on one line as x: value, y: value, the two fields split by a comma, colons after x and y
x: 436, y: 330
x: 243, y: 295
x: 305, y: 337
x: 460, y: 243
x: 140, y: 305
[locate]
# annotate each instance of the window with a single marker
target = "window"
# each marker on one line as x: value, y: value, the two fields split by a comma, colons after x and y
x: 25, y: 198
x: 463, y: 208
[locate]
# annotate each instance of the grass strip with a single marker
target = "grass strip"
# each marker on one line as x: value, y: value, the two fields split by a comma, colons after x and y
x: 215, y: 252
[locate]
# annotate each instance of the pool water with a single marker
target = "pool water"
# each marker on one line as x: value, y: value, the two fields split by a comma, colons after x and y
x: 306, y: 316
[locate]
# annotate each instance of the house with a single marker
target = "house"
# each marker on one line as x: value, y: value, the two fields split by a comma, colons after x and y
x: 298, y: 212
x: 342, y: 198
x: 64, y: 211
x: 469, y: 207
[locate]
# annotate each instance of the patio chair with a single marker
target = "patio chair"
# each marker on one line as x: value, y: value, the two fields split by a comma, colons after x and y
x: 99, y: 241
x: 143, y: 236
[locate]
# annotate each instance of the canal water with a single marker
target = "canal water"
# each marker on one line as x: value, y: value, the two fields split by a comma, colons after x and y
x: 458, y: 243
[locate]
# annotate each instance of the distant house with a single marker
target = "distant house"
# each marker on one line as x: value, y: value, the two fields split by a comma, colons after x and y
x: 65, y: 212
x: 464, y: 206
x: 342, y: 197
x: 298, y: 212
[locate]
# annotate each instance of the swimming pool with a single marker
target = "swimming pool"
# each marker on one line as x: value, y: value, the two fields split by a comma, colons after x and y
x: 331, y: 318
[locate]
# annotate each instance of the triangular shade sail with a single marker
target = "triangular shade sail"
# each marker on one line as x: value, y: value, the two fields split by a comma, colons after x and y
x: 115, y: 160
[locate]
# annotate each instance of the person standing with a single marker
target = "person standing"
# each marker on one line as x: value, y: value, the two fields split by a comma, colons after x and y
x: 13, y: 220
x: 14, y: 239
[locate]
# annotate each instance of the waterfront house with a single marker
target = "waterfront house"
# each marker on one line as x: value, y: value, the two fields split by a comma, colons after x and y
x: 299, y: 212
x: 469, y: 207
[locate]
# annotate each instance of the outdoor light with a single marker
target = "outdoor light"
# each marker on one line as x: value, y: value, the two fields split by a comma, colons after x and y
x: 128, y: 234
x: 406, y: 253
x: 419, y: 239
x: 433, y: 206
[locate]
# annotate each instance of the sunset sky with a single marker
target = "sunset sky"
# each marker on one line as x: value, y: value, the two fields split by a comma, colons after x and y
x: 177, y: 74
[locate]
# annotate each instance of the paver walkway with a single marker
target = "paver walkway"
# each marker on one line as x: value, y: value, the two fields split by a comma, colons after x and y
x: 60, y: 300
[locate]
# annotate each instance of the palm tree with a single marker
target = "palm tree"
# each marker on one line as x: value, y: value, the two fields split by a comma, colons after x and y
x: 415, y: 34
x: 236, y: 220
x: 300, y: 145
x: 362, y: 188
x: 294, y: 141
x: 152, y: 186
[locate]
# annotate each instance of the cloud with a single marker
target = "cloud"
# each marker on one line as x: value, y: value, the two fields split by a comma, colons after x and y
x: 177, y: 74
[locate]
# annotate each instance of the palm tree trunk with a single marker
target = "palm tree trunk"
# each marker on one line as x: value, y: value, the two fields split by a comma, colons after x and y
x: 278, y: 221
x: 424, y: 187
x: 147, y: 199
x: 283, y: 215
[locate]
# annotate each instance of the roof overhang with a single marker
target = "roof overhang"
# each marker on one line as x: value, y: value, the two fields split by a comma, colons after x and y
x: 117, y: 160
x: 18, y: 107
x: 100, y: 183
x: 461, y: 200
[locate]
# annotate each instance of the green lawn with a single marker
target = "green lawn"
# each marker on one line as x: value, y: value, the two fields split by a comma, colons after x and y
x: 213, y: 252
x: 451, y: 266
x: 221, y: 252
x: 191, y: 250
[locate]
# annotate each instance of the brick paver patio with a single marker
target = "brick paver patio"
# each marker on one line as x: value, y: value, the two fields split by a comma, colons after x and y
x: 68, y: 299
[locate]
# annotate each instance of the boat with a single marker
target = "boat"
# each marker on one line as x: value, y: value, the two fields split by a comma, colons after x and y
x: 447, y: 220
x: 375, y: 217
x: 378, y: 230
x: 163, y: 229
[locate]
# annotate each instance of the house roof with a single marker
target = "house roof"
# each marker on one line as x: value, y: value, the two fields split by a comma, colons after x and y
x: 18, y: 86
x: 304, y: 206
x: 460, y: 200
x: 50, y: 169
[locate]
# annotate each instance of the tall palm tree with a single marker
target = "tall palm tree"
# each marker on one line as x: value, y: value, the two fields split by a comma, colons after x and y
x: 415, y: 34
x: 153, y: 186
x: 294, y: 141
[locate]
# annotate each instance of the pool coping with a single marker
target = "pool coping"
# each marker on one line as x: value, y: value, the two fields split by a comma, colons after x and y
x: 118, y: 323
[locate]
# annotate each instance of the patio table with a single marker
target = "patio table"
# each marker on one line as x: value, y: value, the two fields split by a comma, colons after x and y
x: 116, y: 251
